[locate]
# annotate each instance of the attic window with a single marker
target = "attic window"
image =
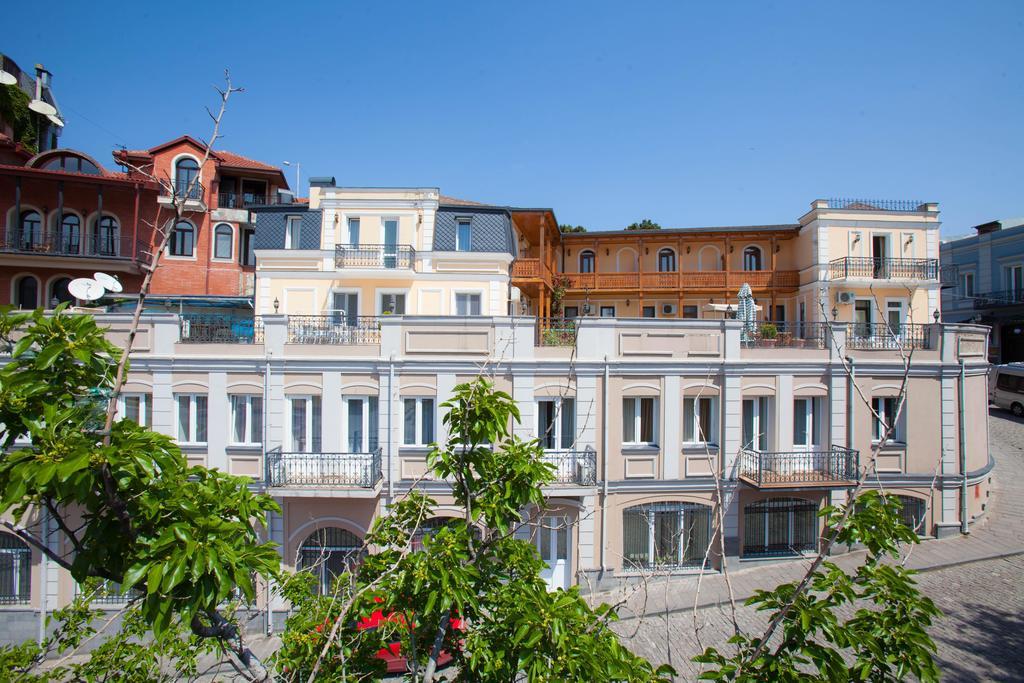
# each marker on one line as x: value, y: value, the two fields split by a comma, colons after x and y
x: 462, y: 234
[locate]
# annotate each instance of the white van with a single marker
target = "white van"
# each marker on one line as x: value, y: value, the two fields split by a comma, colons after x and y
x: 1006, y: 387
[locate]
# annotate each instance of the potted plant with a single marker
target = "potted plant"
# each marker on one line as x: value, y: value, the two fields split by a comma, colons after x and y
x: 769, y: 334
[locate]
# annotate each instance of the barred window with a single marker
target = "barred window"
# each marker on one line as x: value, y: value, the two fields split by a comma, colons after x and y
x: 779, y: 526
x: 327, y: 553
x: 15, y: 570
x: 666, y: 535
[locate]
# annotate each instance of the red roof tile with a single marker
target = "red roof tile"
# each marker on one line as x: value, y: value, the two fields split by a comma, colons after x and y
x: 239, y: 161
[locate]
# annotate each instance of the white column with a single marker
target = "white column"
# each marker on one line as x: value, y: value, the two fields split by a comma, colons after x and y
x: 784, y: 413
x: 586, y: 411
x: 585, y: 531
x: 837, y: 407
x: 163, y: 404
x: 445, y: 388
x: 330, y: 405
x: 218, y: 422
x: 732, y: 422
x: 522, y: 394
x: 276, y: 409
x: 672, y: 417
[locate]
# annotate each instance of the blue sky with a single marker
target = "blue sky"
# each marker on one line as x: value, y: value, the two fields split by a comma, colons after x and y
x: 689, y: 114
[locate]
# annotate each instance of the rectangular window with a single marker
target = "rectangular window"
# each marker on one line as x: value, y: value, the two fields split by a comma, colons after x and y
x: 700, y: 424
x: 639, y: 421
x: 862, y: 317
x: 1015, y: 279
x: 306, y: 424
x: 292, y: 234
x: 607, y: 311
x: 572, y: 311
x: 467, y: 304
x: 463, y: 234
x: 247, y: 252
x: 192, y: 418
x: 346, y: 308
x: 362, y: 420
x: 894, y: 316
x: 689, y: 311
x: 756, y: 423
x: 353, y: 231
x: 780, y: 313
x: 246, y: 420
x: 556, y: 423
x: 807, y: 414
x: 419, y: 422
x: 392, y: 304
x: 885, y: 417
x: 649, y: 312
x: 967, y: 285
x: 222, y: 237
x: 137, y: 408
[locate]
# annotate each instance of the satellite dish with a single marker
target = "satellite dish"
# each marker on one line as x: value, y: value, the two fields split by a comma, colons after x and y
x: 44, y: 108
x: 108, y: 282
x: 55, y: 120
x: 7, y: 78
x: 86, y: 289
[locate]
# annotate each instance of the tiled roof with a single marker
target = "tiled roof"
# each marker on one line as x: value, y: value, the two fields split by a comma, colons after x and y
x: 455, y: 201
x: 239, y: 161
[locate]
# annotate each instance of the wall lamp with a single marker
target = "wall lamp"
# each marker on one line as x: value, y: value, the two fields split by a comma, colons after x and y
x: 277, y: 304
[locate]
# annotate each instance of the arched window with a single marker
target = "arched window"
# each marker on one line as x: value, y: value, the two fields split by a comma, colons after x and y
x: 222, y: 238
x: 587, y: 261
x: 69, y: 235
x: 186, y: 170
x: 31, y: 230
x: 752, y: 258
x: 327, y: 553
x: 666, y: 535
x: 666, y: 261
x: 26, y: 291
x: 913, y: 513
x: 59, y: 291
x: 15, y: 570
x: 626, y: 260
x: 105, y: 239
x: 779, y: 526
x: 183, y: 239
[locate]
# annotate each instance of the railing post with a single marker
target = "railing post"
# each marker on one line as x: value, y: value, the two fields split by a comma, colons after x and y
x: 275, y: 334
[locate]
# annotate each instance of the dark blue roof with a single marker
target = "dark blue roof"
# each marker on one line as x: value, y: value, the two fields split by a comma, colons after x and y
x: 490, y: 228
x: 270, y: 221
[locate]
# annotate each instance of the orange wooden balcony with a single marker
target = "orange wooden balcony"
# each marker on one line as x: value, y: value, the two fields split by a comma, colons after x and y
x: 687, y: 280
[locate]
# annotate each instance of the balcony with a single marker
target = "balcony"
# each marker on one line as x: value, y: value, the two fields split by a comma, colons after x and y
x: 327, y: 470
x: 690, y: 281
x: 894, y: 205
x: 786, y: 335
x: 577, y: 468
x: 61, y: 243
x: 220, y: 329
x: 230, y: 200
x: 833, y: 467
x: 333, y: 329
x: 556, y: 332
x: 881, y: 336
x: 374, y: 256
x: 184, y: 189
x: 1007, y: 297
x: 870, y: 268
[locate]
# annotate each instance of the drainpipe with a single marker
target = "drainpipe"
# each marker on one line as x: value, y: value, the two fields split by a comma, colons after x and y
x: 962, y: 440
x: 604, y: 466
x: 391, y: 396
x: 849, y: 403
x: 44, y: 585
x: 266, y: 405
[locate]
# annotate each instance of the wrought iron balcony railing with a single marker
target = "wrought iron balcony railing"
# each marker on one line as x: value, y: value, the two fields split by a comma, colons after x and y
x: 834, y: 466
x: 789, y: 335
x: 881, y: 336
x: 556, y: 332
x: 902, y: 205
x: 330, y: 470
x: 205, y: 328
x: 231, y: 200
x: 185, y: 189
x: 1007, y: 297
x: 574, y: 467
x: 383, y: 256
x: 337, y: 328
x: 884, y: 268
x: 67, y: 243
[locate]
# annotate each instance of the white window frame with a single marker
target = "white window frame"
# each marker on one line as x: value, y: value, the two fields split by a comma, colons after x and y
x: 879, y: 412
x: 690, y: 406
x: 600, y: 311
x: 965, y: 291
x: 246, y: 403
x: 758, y: 428
x: 145, y: 406
x: 813, y: 422
x: 1008, y: 272
x: 293, y: 445
x: 349, y: 221
x: 467, y: 292
x: 459, y: 222
x: 291, y: 242
x: 418, y: 439
x: 381, y: 293
x: 560, y: 405
x: 193, y: 418
x: 638, y: 421
x: 231, y: 245
x: 365, y: 400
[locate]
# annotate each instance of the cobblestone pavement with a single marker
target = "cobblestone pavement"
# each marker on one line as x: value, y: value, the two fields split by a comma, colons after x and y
x: 976, y: 581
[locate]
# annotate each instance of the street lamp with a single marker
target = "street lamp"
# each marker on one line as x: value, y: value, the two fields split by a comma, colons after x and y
x: 298, y: 174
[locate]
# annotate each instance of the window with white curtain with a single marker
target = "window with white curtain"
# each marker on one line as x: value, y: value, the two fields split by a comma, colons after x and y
x: 192, y: 418
x: 418, y: 422
x: 136, y: 407
x: 556, y: 423
x: 640, y: 421
x: 700, y: 420
x: 306, y: 423
x: 246, y: 419
x: 361, y: 422
x: 756, y: 423
x: 467, y: 304
x: 807, y: 422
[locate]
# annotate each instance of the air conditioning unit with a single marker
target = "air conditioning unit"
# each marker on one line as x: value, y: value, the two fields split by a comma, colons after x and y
x: 668, y: 309
x: 844, y: 297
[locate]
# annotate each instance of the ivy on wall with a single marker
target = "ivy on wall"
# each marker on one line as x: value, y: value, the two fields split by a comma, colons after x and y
x: 14, y: 110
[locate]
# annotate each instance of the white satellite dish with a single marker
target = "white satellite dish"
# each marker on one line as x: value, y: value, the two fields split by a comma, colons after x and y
x: 86, y: 289
x: 44, y: 108
x: 55, y: 120
x: 109, y: 282
x: 7, y: 78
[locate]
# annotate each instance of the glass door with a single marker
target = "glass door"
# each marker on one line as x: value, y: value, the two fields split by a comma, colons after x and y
x: 391, y: 243
x: 553, y: 546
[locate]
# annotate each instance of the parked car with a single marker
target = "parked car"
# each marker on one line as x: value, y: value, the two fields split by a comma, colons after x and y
x: 1006, y: 387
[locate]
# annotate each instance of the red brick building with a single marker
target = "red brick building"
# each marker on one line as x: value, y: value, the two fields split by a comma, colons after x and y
x: 210, y: 251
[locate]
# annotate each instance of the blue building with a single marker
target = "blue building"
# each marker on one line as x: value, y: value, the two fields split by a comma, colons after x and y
x: 990, y: 288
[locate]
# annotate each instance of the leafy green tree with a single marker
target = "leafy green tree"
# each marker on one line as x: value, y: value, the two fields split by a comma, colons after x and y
x: 645, y: 224
x: 185, y: 539
x: 571, y: 228
x: 885, y: 639
x: 474, y: 589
